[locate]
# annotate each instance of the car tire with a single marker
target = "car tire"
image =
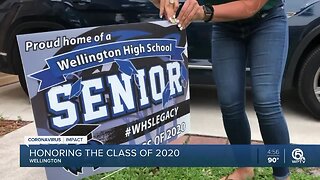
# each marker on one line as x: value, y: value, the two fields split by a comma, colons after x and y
x: 14, y: 57
x: 15, y: 54
x: 23, y: 83
x: 309, y: 82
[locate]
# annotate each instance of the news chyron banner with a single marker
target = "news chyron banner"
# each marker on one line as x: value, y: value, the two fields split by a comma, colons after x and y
x: 122, y: 84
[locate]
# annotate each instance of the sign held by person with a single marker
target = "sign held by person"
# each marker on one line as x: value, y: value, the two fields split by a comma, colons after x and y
x: 122, y: 84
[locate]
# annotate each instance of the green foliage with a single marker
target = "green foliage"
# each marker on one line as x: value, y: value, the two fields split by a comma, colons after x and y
x: 1, y: 117
x: 193, y: 174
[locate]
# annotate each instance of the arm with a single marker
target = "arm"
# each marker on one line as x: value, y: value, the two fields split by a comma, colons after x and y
x: 240, y: 9
x: 237, y: 10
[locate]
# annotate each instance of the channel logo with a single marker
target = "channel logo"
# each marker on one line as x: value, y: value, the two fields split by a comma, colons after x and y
x: 297, y: 155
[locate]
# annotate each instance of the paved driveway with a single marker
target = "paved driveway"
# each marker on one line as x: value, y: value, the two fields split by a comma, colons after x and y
x: 205, y: 113
x: 205, y: 120
x: 206, y: 117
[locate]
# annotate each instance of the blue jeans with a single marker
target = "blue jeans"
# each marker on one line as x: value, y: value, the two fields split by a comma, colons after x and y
x: 262, y: 43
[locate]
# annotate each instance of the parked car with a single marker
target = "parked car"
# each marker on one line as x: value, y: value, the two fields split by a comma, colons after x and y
x: 29, y: 16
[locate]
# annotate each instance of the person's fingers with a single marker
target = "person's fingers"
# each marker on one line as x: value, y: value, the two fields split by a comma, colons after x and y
x: 190, y: 17
x: 162, y: 6
x: 183, y: 10
x: 170, y: 10
x: 187, y: 17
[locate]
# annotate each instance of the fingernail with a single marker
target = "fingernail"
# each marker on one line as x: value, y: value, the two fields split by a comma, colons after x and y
x: 179, y: 25
x: 174, y: 16
x: 170, y: 19
x: 160, y: 16
x: 181, y: 28
x: 177, y: 21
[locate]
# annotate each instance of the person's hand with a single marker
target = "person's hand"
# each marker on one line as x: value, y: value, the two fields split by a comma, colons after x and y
x: 190, y: 11
x: 168, y: 8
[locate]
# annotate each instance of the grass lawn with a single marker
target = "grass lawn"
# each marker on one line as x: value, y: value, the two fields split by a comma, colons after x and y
x: 196, y: 173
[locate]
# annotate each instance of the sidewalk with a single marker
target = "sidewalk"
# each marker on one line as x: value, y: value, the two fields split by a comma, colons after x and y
x: 10, y: 151
x: 14, y: 103
x: 10, y: 156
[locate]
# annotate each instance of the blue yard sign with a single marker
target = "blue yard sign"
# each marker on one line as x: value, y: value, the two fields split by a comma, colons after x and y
x: 123, y: 84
